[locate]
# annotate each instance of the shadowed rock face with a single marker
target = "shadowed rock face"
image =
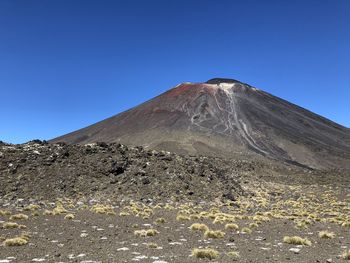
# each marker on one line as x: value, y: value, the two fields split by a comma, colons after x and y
x: 228, y: 118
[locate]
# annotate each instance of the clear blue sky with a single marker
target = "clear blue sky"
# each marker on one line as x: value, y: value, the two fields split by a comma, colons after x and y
x: 66, y: 64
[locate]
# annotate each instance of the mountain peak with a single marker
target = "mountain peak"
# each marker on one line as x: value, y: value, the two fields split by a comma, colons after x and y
x: 225, y: 117
x: 221, y: 80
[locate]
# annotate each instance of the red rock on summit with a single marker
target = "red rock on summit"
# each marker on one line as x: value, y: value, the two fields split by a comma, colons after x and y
x: 227, y: 118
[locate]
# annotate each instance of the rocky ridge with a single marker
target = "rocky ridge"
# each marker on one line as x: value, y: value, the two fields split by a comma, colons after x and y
x: 39, y: 170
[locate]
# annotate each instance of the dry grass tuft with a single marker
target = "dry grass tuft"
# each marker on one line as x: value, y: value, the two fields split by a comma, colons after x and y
x: 152, y: 245
x: 160, y: 220
x: 31, y: 207
x: 146, y: 233
x: 346, y: 224
x: 59, y: 209
x: 181, y: 217
x: 214, y: 234
x: 253, y: 225
x: 346, y: 255
x: 195, y: 217
x: 326, y: 234
x: 19, y: 217
x: 246, y: 230
x: 123, y: 213
x: 16, y: 241
x: 295, y: 240
x: 103, y: 209
x: 231, y: 227
x: 208, y: 253
x: 84, y: 207
x: 261, y: 218
x: 4, y: 212
x: 169, y: 207
x: 48, y: 213
x: 35, y: 213
x: 9, y: 225
x: 199, y: 227
x: 69, y: 216
x: 233, y: 254
x: 301, y: 225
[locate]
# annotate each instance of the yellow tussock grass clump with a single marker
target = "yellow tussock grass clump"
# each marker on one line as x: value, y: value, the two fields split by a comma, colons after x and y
x: 48, y: 213
x: 233, y: 254
x: 301, y: 225
x: 84, y: 207
x: 152, y: 245
x: 157, y: 206
x: 195, y: 217
x: 145, y: 217
x: 326, y: 234
x: 346, y: 224
x: 59, y: 209
x: 219, y: 220
x: 160, y: 220
x: 208, y: 253
x: 69, y: 216
x: 214, y: 234
x: 253, y: 225
x: 295, y: 240
x: 146, y: 233
x: 4, y: 212
x: 32, y: 207
x: 123, y: 213
x: 19, y: 217
x: 231, y: 226
x: 246, y: 230
x: 9, y: 225
x: 35, y: 213
x: 168, y: 207
x: 199, y: 227
x: 181, y: 217
x: 346, y: 255
x: 261, y: 218
x: 16, y: 241
x: 103, y: 209
x: 222, y: 218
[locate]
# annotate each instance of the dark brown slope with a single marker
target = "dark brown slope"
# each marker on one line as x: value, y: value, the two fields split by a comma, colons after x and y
x: 225, y: 117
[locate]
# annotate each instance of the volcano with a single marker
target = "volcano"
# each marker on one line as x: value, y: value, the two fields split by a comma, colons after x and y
x: 228, y: 118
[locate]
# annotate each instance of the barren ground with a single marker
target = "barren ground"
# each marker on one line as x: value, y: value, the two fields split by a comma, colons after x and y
x: 102, y: 231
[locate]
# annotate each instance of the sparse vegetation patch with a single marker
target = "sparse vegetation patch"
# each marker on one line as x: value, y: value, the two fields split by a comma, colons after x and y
x: 326, y: 234
x: 19, y: 217
x: 295, y: 240
x: 208, y: 253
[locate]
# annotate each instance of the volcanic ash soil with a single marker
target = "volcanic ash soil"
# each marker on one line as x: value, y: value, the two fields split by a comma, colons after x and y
x: 110, y: 203
x: 254, y: 229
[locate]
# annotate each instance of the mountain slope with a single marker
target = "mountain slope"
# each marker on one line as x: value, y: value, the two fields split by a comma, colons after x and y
x: 225, y: 117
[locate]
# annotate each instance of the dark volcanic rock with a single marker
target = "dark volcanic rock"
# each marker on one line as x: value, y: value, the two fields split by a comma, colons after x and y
x: 113, y: 171
x: 224, y: 117
x: 47, y: 171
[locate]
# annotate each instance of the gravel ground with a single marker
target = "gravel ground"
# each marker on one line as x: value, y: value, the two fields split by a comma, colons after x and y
x: 94, y: 237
